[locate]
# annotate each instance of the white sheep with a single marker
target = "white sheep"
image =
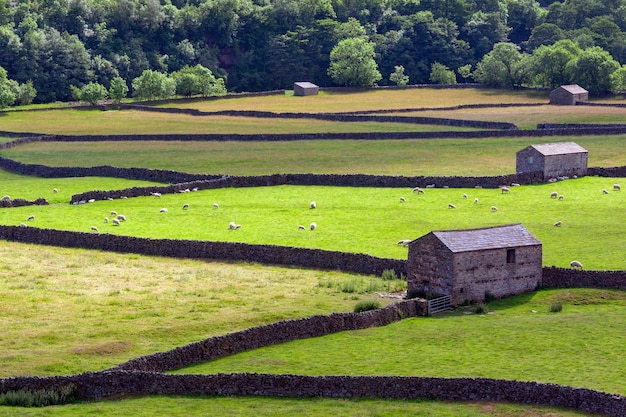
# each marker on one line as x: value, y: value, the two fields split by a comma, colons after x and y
x: 94, y: 229
x: 494, y: 209
x: 106, y: 219
x: 113, y: 213
x: 476, y: 200
x: 313, y: 205
x: 215, y: 205
x: 430, y: 186
x: 561, y: 197
x: 163, y: 210
x: 233, y: 226
x: 558, y: 224
x: 301, y: 227
x: 465, y: 196
x: 31, y: 218
x: 418, y: 190
x: 402, y: 199
x: 617, y: 187
x: 505, y: 190
x: 185, y: 206
x: 123, y: 197
x: 194, y: 189
x: 55, y: 190
x: 121, y: 217
x: 404, y: 242
x: 157, y: 195
x: 23, y: 225
x: 313, y: 226
x: 514, y: 184
x: 576, y: 264
x: 605, y: 192
x: 116, y: 222
x: 451, y: 206
x: 554, y: 194
x: 91, y: 200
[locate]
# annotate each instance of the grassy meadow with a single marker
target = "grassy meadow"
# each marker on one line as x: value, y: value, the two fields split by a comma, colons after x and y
x: 66, y: 311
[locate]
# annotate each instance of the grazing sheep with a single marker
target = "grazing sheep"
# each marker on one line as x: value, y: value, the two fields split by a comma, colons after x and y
x: 185, y: 206
x: 402, y: 199
x: 91, y: 200
x: 233, y: 226
x: 576, y: 264
x: 554, y: 194
x: 312, y: 205
x: 465, y: 196
x: 476, y: 200
x: 558, y: 224
x: 94, y: 229
x: 418, y: 190
x: 114, y: 213
x: 605, y: 192
x: 116, y: 222
x: 106, y: 219
x: 505, y: 190
x: 121, y: 217
x: 430, y: 186
x: 313, y: 226
x: 514, y: 184
x: 552, y: 180
x: 55, y: 190
x: 123, y: 197
x: 215, y: 205
x: 617, y: 187
x: 451, y: 206
x: 31, y: 218
x: 109, y: 199
x: 163, y: 210
x: 561, y: 197
x: 194, y: 189
x: 494, y: 209
x: 301, y: 227
x: 404, y: 242
x: 157, y: 195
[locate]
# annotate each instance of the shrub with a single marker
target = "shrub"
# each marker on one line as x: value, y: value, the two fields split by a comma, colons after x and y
x: 366, y: 306
x: 389, y: 275
x: 556, y: 307
x: 481, y: 309
x: 39, y: 398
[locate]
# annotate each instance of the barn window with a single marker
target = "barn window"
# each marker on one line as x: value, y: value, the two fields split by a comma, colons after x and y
x: 531, y: 160
x: 510, y: 256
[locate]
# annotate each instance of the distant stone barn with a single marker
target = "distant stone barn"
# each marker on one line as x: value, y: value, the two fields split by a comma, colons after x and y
x: 305, y: 88
x: 470, y: 265
x: 561, y: 159
x: 569, y: 95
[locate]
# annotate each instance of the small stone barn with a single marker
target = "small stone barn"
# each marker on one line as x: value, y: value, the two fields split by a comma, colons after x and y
x: 561, y: 159
x: 470, y: 265
x: 569, y: 95
x: 305, y: 88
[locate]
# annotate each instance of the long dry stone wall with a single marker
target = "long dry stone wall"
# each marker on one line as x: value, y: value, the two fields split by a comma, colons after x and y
x: 569, y: 278
x: 99, y: 385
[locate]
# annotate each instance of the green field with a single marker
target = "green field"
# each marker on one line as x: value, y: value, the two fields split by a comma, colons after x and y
x: 65, y: 311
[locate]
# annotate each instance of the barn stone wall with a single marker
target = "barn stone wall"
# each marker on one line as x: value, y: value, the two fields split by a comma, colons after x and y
x: 429, y: 268
x: 568, y: 165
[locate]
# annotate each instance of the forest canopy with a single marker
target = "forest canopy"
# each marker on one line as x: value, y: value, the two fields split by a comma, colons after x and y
x: 54, y: 48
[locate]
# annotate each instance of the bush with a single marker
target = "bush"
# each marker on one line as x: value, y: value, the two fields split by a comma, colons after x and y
x: 39, y: 398
x: 366, y: 306
x: 481, y: 309
x: 389, y: 275
x: 556, y: 307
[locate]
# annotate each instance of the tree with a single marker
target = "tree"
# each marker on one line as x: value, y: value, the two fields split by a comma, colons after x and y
x: 465, y: 71
x: 151, y: 85
x: 7, y: 97
x: 398, y: 76
x: 24, y: 93
x: 198, y: 80
x: 440, y: 74
x: 92, y: 93
x: 499, y: 66
x: 118, y: 89
x: 548, y: 63
x: 592, y: 70
x: 352, y: 63
x: 618, y: 80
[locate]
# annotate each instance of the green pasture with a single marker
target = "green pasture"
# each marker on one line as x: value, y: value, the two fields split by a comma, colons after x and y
x: 437, y: 157
x: 363, y: 220
x: 286, y: 407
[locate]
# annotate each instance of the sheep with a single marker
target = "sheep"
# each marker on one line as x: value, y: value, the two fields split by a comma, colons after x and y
x: 402, y: 199
x: 163, y: 210
x: 561, y: 197
x: 121, y: 217
x: 558, y: 224
x: 194, y: 189
x: 418, y: 190
x: 55, y: 190
x: 430, y: 186
x: 91, y: 200
x: 554, y: 194
x: 23, y: 225
x: 465, y: 196
x: 157, y: 195
x: 576, y: 265
x: 313, y: 205
x: 494, y: 209
x: 6, y: 198
x: 605, y: 192
x: 514, y: 184
x: 123, y: 197
x: 215, y: 205
x: 94, y: 229
x: 106, y: 219
x: 505, y: 190
x: 31, y: 218
x: 476, y: 200
x: 301, y: 227
x: 404, y: 242
x: 617, y: 187
x: 109, y: 199
x: 451, y: 206
x: 113, y: 213
x: 552, y: 180
x: 185, y: 206
x: 233, y: 226
x: 116, y: 222
x: 313, y: 226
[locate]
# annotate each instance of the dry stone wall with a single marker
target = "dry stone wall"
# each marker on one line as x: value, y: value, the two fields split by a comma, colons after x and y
x: 572, y: 278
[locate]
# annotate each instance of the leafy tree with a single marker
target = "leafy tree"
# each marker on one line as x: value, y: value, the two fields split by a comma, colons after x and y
x: 24, y: 93
x: 352, y: 63
x: 118, y: 89
x: 440, y: 74
x: 152, y: 84
x: 398, y: 76
x: 198, y: 80
x: 465, y: 71
x: 544, y: 34
x: 7, y: 97
x: 92, y: 93
x: 499, y: 66
x: 592, y: 70
x: 548, y: 63
x: 523, y: 17
x: 618, y: 80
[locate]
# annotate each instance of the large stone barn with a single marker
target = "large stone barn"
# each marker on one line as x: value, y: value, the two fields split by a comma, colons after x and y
x: 569, y: 95
x: 561, y: 159
x: 474, y: 264
x: 305, y: 88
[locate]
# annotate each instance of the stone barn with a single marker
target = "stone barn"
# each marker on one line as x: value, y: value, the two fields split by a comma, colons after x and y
x: 474, y: 264
x: 561, y: 159
x: 569, y: 95
x: 305, y: 88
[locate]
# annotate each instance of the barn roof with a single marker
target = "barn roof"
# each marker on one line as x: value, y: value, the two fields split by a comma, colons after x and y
x: 573, y: 89
x: 559, y: 148
x: 305, y: 84
x: 497, y: 237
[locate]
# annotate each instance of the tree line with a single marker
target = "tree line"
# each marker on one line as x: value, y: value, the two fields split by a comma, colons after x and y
x: 52, y: 50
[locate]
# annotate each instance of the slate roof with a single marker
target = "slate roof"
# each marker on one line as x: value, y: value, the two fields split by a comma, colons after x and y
x: 559, y: 148
x: 497, y: 237
x: 573, y: 89
x: 305, y: 84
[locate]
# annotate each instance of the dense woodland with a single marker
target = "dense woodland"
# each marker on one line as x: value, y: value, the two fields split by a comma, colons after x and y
x: 51, y: 49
